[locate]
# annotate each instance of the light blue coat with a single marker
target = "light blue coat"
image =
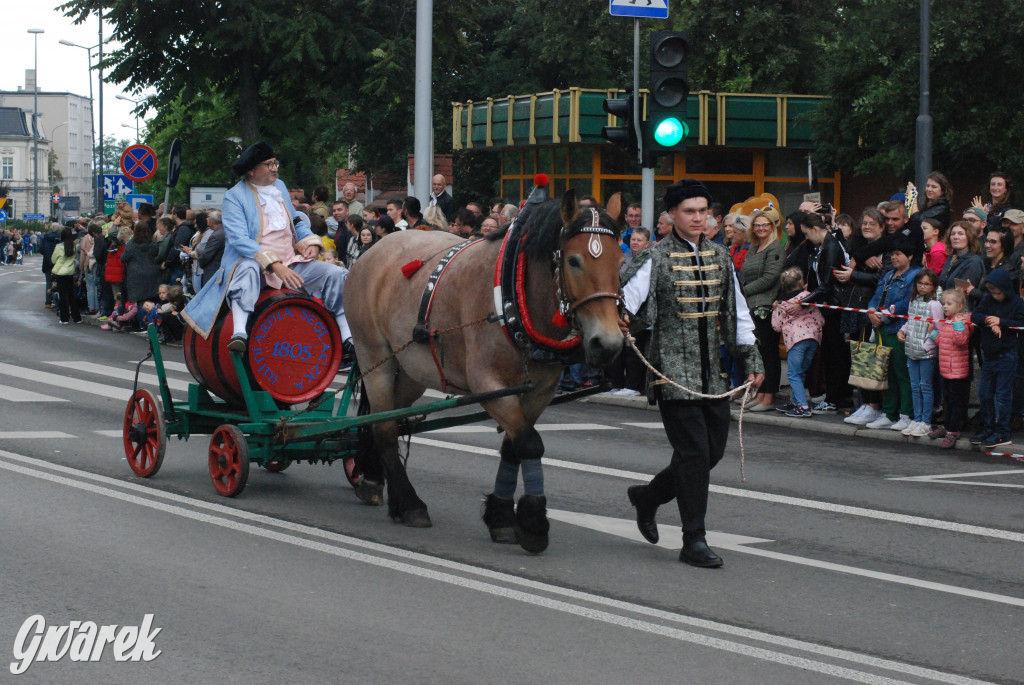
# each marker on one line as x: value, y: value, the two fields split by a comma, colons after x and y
x: 243, y: 227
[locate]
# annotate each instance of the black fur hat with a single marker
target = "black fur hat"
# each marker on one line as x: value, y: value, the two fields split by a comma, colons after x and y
x: 684, y: 190
x: 251, y: 156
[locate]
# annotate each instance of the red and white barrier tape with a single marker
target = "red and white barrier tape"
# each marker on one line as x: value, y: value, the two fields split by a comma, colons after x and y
x: 887, y: 314
x: 1018, y: 457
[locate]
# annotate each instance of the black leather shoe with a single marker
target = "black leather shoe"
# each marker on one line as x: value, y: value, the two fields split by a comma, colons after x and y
x: 237, y: 343
x: 697, y: 553
x: 348, y: 352
x: 644, y: 513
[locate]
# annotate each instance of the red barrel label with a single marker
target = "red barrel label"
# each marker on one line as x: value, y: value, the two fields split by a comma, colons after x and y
x: 290, y: 349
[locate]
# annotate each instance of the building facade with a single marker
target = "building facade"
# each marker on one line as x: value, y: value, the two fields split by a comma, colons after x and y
x: 16, y: 156
x: 66, y: 123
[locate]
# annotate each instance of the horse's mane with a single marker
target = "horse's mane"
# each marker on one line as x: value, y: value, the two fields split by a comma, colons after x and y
x: 544, y: 225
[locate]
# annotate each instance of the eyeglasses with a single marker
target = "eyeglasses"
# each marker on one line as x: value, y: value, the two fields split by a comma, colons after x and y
x: 272, y: 164
x: 991, y: 242
x: 759, y: 225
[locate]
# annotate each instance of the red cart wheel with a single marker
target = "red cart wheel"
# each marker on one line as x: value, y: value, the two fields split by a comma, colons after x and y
x: 229, y: 460
x: 145, y: 434
x: 278, y: 465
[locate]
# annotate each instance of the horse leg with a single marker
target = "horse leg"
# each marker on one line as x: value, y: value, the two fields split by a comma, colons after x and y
x: 385, y: 387
x: 521, y: 448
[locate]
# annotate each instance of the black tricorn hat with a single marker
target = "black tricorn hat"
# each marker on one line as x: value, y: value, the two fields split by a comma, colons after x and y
x: 251, y: 156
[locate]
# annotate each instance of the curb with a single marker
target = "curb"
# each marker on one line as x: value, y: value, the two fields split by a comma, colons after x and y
x: 833, y: 425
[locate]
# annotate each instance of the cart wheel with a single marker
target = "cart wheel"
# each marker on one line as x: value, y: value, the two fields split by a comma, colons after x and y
x: 229, y: 460
x: 278, y: 465
x: 145, y: 434
x: 351, y: 471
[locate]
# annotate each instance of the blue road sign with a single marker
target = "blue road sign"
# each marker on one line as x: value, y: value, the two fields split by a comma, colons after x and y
x: 116, y: 184
x: 174, y: 165
x: 3, y: 215
x: 33, y: 217
x: 136, y: 200
x: 643, y: 9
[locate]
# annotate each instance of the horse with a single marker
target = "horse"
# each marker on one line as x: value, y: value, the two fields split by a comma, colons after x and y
x: 566, y: 270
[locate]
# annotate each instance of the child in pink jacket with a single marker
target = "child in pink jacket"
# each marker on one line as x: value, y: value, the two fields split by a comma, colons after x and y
x: 954, y: 365
x: 801, y: 332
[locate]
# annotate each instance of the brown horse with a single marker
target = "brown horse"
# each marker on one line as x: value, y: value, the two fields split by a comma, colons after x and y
x: 571, y: 260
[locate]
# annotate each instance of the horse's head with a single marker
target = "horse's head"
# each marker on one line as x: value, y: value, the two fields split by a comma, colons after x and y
x: 588, y: 262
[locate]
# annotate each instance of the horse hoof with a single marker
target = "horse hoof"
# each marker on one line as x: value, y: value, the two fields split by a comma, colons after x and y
x: 532, y: 524
x: 504, y: 536
x: 416, y: 518
x: 500, y: 517
x: 370, y: 492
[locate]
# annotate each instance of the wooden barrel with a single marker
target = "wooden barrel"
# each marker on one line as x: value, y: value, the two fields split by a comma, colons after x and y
x: 293, y: 353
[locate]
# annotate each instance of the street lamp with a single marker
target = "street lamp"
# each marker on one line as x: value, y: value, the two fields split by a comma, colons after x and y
x: 137, y: 103
x: 35, y: 121
x: 136, y: 127
x: 92, y: 121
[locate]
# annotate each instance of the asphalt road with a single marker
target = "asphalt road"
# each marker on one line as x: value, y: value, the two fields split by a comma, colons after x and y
x: 845, y: 559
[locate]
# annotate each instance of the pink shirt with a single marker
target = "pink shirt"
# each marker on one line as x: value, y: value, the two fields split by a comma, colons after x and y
x: 935, y: 257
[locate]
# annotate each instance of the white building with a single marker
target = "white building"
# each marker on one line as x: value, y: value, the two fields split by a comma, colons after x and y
x: 66, y: 121
x: 16, y: 154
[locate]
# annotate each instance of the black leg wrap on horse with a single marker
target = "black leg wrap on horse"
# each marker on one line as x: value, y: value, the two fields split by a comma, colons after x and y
x: 404, y: 505
x: 500, y: 516
x: 532, y: 524
x: 527, y: 445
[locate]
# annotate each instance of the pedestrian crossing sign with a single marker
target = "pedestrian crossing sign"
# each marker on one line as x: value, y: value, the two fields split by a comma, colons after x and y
x: 641, y: 9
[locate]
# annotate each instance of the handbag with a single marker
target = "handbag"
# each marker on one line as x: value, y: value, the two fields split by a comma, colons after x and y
x: 869, y: 365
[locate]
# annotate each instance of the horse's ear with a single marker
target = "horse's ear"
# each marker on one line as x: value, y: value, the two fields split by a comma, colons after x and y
x: 570, y: 207
x: 614, y: 207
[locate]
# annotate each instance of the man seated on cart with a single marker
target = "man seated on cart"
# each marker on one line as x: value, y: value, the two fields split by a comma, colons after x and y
x: 266, y: 241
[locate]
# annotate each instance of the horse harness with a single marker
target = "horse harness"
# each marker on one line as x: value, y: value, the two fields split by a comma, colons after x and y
x: 510, y: 296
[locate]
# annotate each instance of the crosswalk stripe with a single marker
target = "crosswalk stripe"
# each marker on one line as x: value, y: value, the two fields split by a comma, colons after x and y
x: 124, y: 374
x: 646, y: 424
x: 12, y: 394
x: 32, y: 435
x: 110, y: 433
x: 169, y: 366
x: 66, y: 383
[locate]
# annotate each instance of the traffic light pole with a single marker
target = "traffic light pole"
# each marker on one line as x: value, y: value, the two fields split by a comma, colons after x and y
x: 646, y: 160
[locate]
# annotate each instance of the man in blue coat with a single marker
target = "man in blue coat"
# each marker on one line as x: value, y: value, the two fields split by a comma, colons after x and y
x: 266, y: 241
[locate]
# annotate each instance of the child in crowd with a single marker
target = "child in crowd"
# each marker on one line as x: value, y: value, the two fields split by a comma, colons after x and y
x: 954, y: 364
x: 330, y: 256
x: 918, y: 338
x: 123, y: 315
x: 801, y: 332
x: 150, y: 314
x: 1000, y: 310
x: 171, y: 302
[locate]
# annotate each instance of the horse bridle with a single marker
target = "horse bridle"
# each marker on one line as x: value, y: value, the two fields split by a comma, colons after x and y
x: 566, y: 305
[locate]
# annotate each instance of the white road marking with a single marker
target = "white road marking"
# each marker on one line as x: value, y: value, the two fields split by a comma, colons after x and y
x: 951, y: 478
x: 110, y: 433
x: 12, y: 394
x: 66, y: 383
x: 539, y: 427
x: 669, y: 538
x: 32, y: 435
x: 502, y: 581
x: 892, y: 517
x: 123, y: 374
x: 645, y: 424
x: 168, y: 366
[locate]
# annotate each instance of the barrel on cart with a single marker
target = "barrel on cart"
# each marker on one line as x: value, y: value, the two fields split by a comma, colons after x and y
x: 293, y: 353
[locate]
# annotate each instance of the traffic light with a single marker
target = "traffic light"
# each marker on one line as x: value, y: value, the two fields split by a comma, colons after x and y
x: 666, y: 128
x: 623, y: 135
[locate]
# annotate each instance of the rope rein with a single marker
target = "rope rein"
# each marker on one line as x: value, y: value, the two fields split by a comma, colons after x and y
x: 631, y: 341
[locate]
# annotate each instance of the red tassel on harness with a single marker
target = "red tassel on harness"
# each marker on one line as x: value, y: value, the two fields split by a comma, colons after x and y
x: 559, y: 319
x: 412, y: 267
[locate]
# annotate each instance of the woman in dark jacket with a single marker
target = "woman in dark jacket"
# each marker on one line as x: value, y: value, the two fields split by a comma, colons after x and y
x: 998, y: 248
x: 797, y: 247
x: 938, y: 196
x: 963, y: 262
x: 826, y: 257
x: 142, y: 266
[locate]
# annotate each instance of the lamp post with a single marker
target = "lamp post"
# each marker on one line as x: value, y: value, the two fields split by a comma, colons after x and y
x: 136, y: 127
x: 137, y: 103
x: 92, y: 121
x: 35, y: 121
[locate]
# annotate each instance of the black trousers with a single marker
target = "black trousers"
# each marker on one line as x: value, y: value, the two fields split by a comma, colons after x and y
x: 958, y: 391
x: 697, y: 431
x: 836, y: 357
x: 768, y: 344
x: 68, y: 305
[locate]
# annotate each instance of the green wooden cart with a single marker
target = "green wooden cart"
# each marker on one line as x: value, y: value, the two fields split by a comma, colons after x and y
x: 264, y: 433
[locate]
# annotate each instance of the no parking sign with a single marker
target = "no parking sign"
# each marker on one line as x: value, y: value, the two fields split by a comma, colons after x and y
x: 138, y: 162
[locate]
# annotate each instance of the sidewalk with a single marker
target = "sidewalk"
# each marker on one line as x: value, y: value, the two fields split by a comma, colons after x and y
x: 833, y: 425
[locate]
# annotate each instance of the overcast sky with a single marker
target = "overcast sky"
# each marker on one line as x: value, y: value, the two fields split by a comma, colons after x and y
x: 61, y: 68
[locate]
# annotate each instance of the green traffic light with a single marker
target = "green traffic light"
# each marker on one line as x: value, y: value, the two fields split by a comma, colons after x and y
x: 670, y: 132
